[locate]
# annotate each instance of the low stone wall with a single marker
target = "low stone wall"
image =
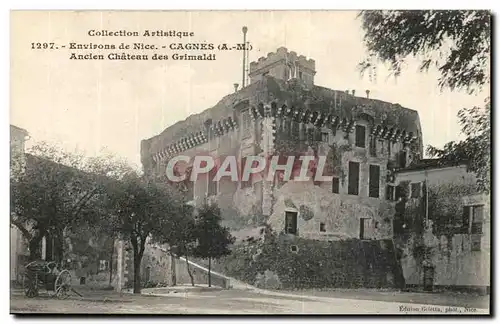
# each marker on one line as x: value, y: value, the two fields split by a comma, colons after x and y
x: 298, y: 263
x: 200, y: 275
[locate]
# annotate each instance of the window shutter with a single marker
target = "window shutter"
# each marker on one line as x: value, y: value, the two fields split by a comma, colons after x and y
x: 353, y: 187
x: 335, y: 185
x: 360, y: 136
x: 374, y: 181
x: 465, y: 219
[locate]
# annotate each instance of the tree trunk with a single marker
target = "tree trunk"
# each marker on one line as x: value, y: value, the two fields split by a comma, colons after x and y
x: 49, y: 253
x: 172, y: 270
x: 209, y: 276
x: 34, y: 246
x: 138, y: 252
x: 137, y: 273
x: 189, y: 271
x: 59, y: 246
x: 111, y: 261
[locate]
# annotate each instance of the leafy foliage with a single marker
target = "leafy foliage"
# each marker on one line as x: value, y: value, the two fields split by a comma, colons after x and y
x: 142, y: 207
x: 54, y: 194
x: 475, y: 150
x: 445, y: 208
x: 180, y: 236
x: 213, y: 240
x: 456, y: 42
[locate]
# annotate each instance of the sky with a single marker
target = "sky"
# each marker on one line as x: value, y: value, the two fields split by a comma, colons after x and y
x: 92, y: 104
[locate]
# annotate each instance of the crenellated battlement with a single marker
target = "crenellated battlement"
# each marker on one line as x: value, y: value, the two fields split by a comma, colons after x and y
x: 282, y: 55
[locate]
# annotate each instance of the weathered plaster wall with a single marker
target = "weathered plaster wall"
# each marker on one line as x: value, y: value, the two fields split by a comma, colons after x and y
x: 455, y: 264
x: 340, y: 213
x: 156, y: 261
x: 449, y: 253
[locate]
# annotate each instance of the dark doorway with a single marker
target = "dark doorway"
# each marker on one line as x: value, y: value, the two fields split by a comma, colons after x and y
x: 291, y: 222
x: 362, y: 228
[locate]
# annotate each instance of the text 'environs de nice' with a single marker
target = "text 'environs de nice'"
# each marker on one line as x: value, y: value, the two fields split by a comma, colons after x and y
x: 145, y: 33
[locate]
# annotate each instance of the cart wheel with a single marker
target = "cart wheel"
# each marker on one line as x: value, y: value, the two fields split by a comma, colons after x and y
x: 62, y: 285
x: 30, y: 285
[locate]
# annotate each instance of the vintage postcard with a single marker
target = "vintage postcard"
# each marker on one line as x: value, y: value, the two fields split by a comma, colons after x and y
x: 250, y: 162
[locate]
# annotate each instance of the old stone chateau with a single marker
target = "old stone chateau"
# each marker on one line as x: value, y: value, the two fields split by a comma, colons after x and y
x: 372, y: 148
x: 283, y: 112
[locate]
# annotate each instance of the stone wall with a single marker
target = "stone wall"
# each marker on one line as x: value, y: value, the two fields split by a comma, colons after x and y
x: 159, y: 268
x: 303, y: 263
x: 455, y: 264
x: 447, y: 245
x: 341, y: 214
x: 200, y: 275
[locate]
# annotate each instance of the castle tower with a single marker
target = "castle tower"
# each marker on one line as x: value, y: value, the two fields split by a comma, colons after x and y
x: 284, y: 65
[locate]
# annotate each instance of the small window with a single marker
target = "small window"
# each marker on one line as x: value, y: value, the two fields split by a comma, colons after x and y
x: 416, y: 189
x: 322, y: 227
x: 324, y: 137
x: 389, y: 192
x: 465, y: 220
x: 300, y: 75
x: 318, y: 136
x: 245, y: 122
x: 475, y: 242
x: 291, y: 223
x: 360, y: 135
x: 477, y: 220
x: 294, y: 249
x: 335, y: 185
x: 402, y: 159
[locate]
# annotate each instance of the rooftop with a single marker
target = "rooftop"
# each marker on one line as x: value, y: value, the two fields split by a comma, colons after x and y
x: 291, y: 94
x: 427, y: 164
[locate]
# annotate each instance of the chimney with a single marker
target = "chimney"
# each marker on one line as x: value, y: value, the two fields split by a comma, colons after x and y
x: 236, y: 87
x: 353, y: 92
x: 367, y: 93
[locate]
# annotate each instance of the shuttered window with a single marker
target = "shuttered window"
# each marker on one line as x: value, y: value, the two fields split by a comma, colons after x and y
x: 353, y: 188
x: 335, y: 185
x: 374, y: 181
x: 360, y: 135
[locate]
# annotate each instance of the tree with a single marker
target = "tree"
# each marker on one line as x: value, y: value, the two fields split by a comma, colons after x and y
x: 180, y: 237
x: 46, y: 198
x: 213, y: 239
x: 475, y: 150
x: 142, y: 207
x: 57, y: 192
x: 456, y: 42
